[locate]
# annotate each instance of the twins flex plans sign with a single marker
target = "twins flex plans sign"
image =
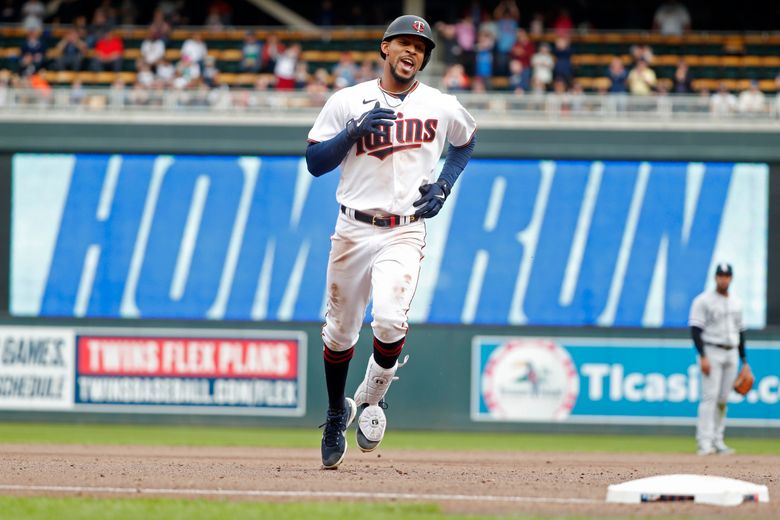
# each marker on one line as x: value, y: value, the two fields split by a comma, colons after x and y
x: 609, y: 243
x: 609, y: 380
x: 188, y: 374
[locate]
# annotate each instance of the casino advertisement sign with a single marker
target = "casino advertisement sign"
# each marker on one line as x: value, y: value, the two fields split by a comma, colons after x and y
x: 609, y: 380
x: 154, y: 371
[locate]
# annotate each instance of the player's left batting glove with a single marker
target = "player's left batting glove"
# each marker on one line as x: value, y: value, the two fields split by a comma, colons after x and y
x: 433, y: 197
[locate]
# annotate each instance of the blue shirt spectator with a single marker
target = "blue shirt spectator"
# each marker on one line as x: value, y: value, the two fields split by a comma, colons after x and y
x: 617, y: 77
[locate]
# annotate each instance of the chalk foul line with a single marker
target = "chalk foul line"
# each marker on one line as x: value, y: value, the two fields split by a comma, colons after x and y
x: 357, y: 495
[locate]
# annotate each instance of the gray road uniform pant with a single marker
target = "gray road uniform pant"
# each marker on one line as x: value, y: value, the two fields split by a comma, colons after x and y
x: 715, y: 389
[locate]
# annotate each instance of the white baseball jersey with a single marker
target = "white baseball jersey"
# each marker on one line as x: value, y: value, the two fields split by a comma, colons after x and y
x: 384, y: 172
x: 719, y: 317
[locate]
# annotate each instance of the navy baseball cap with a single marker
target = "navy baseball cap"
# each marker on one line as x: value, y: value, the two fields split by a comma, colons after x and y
x: 724, y: 269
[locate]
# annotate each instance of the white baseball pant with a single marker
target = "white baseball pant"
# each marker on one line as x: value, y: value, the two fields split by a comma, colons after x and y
x: 715, y: 390
x: 365, y: 262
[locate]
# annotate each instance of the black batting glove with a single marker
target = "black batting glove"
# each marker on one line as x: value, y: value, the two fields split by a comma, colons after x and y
x: 432, y: 200
x: 374, y: 121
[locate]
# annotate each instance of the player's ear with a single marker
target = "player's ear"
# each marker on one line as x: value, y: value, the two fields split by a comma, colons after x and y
x: 385, y: 46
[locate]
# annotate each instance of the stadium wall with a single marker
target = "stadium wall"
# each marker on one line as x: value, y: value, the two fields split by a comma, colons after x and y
x: 590, y: 378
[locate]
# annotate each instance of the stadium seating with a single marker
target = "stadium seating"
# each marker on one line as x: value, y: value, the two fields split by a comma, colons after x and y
x: 734, y: 59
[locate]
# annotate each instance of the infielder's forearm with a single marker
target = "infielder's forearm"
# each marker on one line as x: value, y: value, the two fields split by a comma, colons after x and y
x: 456, y: 160
x: 327, y: 155
x: 697, y: 341
x: 742, y: 346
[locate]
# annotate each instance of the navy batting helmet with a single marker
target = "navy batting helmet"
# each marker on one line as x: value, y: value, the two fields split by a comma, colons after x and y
x: 411, y: 25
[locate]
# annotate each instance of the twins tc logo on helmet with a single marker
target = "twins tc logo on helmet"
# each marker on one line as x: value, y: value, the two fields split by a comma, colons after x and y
x: 419, y: 26
x: 405, y: 134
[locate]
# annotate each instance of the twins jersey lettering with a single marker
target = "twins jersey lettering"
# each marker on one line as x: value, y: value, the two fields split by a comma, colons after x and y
x: 404, y: 158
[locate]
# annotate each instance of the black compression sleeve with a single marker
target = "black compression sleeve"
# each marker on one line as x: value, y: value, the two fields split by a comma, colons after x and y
x: 455, y: 161
x: 697, y: 341
x: 742, y: 346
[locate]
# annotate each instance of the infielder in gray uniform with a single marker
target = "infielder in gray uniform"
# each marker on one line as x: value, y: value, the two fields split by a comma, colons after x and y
x: 719, y: 336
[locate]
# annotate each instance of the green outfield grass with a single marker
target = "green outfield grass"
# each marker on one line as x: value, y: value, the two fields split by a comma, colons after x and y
x: 187, y: 435
x: 42, y: 508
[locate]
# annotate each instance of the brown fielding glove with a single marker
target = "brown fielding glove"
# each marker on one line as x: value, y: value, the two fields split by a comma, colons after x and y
x: 744, y: 381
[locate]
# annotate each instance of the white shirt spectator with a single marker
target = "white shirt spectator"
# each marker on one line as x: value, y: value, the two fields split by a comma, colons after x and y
x: 723, y: 103
x: 672, y: 18
x: 751, y: 101
x: 542, y: 64
x: 33, y: 12
x: 152, y: 50
x: 166, y: 72
x: 195, y: 49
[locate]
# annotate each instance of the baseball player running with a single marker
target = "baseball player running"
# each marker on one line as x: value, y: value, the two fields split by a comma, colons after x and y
x: 719, y: 337
x: 388, y: 135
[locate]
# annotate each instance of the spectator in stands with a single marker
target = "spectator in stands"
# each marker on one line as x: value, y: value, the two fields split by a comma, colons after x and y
x: 563, y: 24
x: 542, y: 63
x: 210, y: 72
x: 368, y: 70
x: 160, y: 24
x: 483, y: 60
x: 302, y: 76
x: 455, y: 79
x: 188, y: 73
x: 536, y: 28
x: 128, y: 12
x: 752, y: 100
x: 77, y: 96
x: 507, y: 16
x: 317, y: 89
x: 108, y: 52
x: 65, y: 11
x: 285, y: 67
x: 466, y: 36
x: 145, y: 76
x: 723, y: 102
x: 98, y: 28
x: 41, y: 86
x: 165, y: 73
x: 642, y: 80
x: 523, y: 50
x: 71, y: 50
x: 8, y: 12
x: 617, y: 76
x: 327, y: 16
x: 118, y: 93
x: 219, y: 15
x: 271, y: 52
x: 33, y: 12
x: 682, y: 83
x: 152, y: 49
x: 446, y: 44
x: 563, y: 67
x: 518, y: 80
x: 194, y: 48
x: 672, y: 18
x: 35, y: 48
x: 344, y: 71
x: 641, y: 52
x: 108, y: 12
x: 250, y: 53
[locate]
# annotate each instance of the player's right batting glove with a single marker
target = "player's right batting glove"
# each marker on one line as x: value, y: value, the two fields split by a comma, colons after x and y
x: 433, y: 197
x: 374, y: 121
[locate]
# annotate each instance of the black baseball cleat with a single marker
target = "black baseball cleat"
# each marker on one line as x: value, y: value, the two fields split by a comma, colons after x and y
x: 334, y: 444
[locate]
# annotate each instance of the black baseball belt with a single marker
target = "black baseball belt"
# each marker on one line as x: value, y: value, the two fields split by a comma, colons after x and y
x: 718, y: 345
x: 388, y: 221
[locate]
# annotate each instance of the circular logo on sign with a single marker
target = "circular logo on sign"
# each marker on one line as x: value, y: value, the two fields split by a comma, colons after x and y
x: 418, y: 26
x: 530, y: 379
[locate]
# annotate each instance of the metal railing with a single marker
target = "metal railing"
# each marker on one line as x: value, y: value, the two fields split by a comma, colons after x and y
x: 498, y: 108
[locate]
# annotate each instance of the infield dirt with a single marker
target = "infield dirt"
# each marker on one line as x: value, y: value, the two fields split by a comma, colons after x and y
x: 549, y: 476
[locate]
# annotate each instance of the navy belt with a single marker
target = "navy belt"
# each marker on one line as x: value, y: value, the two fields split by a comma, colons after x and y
x: 388, y: 221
